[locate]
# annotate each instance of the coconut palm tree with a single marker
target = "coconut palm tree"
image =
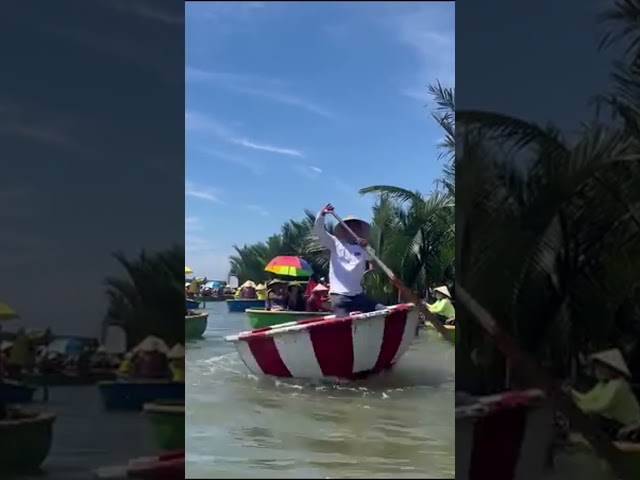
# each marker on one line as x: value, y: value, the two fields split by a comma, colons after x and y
x: 548, y: 229
x: 149, y: 298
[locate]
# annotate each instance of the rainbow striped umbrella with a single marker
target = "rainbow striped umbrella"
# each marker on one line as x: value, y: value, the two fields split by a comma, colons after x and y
x: 290, y: 266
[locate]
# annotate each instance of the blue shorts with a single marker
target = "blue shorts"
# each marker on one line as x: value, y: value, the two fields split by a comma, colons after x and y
x: 343, y: 305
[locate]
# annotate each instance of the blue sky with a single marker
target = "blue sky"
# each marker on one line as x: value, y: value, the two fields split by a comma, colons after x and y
x: 293, y: 105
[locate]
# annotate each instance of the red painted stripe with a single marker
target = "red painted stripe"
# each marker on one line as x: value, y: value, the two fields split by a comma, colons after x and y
x: 333, y: 346
x: 497, y: 441
x: 264, y: 350
x: 394, y: 326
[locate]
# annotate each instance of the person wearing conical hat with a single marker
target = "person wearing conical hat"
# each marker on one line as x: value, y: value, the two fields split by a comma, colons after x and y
x: 176, y: 362
x: 317, y: 299
x: 611, y: 402
x: 442, y: 306
x: 261, y: 291
x: 276, y: 295
x: 347, y: 263
x: 150, y: 359
x: 295, y: 297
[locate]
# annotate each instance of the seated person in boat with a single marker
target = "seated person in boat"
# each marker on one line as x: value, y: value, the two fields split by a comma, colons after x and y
x: 442, y: 307
x: 295, y: 297
x: 126, y: 365
x: 611, y: 402
x: 347, y: 264
x: 176, y: 363
x: 248, y: 290
x: 150, y: 361
x: 276, y: 295
x: 261, y: 291
x: 317, y: 301
x: 21, y: 357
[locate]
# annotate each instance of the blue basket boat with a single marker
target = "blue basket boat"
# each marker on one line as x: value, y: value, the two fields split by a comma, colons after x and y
x: 191, y: 304
x: 133, y: 394
x: 16, y: 392
x: 239, y: 305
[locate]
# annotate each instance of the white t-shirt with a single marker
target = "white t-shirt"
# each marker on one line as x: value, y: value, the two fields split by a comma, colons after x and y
x: 348, y: 262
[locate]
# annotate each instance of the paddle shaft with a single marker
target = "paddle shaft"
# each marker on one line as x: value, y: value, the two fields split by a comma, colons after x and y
x: 446, y: 334
x: 600, y: 442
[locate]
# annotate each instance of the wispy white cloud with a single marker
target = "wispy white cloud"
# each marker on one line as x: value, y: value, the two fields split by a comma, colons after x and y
x: 308, y: 171
x: 267, y: 148
x: 197, y: 122
x: 253, y: 85
x: 254, y: 167
x: 258, y: 209
x: 431, y: 36
x: 203, y: 193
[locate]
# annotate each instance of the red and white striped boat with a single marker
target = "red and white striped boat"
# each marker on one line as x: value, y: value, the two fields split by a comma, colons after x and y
x: 330, y: 347
x: 503, y: 437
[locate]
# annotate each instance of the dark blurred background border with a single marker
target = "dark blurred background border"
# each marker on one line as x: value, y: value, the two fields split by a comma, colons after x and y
x: 92, y: 195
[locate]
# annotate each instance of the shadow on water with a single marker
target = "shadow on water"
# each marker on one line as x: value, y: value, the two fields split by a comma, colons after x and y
x: 399, y: 424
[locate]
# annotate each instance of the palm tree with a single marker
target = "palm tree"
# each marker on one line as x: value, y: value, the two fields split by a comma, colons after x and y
x: 149, y: 299
x: 548, y: 229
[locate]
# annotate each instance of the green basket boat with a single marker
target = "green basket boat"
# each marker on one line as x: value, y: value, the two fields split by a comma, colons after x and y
x: 26, y: 440
x: 167, y: 423
x: 450, y: 328
x: 629, y: 451
x: 260, y: 318
x: 195, y: 325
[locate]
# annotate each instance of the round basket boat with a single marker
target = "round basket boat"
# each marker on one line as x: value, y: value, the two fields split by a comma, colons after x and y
x: 167, y: 423
x: 195, y: 325
x: 451, y: 330
x: 524, y: 420
x: 330, y: 347
x: 191, y: 304
x: 240, y: 305
x: 260, y: 317
x: 16, y: 392
x: 25, y: 441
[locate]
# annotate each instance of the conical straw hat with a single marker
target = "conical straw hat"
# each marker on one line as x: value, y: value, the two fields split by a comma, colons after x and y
x: 152, y: 344
x: 443, y: 290
x: 7, y: 313
x: 176, y: 352
x: 612, y: 358
x: 248, y: 284
x: 261, y: 286
x: 339, y: 230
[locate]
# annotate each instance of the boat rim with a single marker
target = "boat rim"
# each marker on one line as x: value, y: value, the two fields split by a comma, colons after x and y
x: 306, y: 323
x: 198, y: 315
x: 38, y: 417
x: 285, y: 312
x: 159, y: 408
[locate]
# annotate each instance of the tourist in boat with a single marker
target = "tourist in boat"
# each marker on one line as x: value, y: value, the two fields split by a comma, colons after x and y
x: 317, y: 301
x: 176, y: 362
x: 295, y: 297
x: 311, y: 284
x: 443, y: 307
x: 21, y: 357
x: 150, y: 359
x: 347, y: 264
x: 611, y: 402
x: 276, y: 295
x: 261, y: 291
x: 194, y: 288
x: 126, y: 365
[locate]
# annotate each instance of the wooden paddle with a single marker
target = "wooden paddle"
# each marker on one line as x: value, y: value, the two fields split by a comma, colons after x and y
x: 446, y: 334
x: 580, y: 421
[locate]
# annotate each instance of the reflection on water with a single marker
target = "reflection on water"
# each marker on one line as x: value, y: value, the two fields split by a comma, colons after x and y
x: 400, y: 424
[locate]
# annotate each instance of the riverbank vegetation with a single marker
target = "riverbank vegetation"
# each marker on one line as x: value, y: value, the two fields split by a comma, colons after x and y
x: 549, y: 226
x: 413, y: 233
x: 145, y: 299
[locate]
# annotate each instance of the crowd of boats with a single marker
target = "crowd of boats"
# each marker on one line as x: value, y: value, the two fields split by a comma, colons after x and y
x: 148, y: 377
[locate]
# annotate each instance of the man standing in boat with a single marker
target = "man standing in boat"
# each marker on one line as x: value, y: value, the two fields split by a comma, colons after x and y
x: 347, y: 265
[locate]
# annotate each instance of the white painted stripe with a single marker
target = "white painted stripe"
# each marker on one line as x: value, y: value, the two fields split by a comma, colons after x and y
x: 464, y: 446
x: 537, y: 436
x: 408, y: 336
x: 247, y: 357
x: 367, y: 338
x: 296, y: 351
